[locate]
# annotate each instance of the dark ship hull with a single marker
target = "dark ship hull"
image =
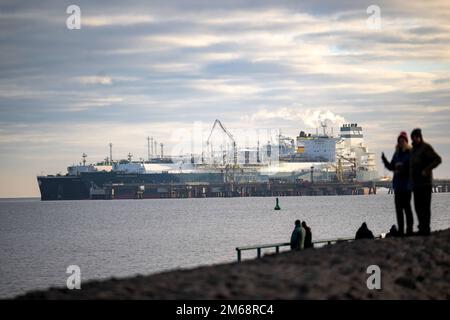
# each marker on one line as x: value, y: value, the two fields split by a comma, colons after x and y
x: 114, y: 185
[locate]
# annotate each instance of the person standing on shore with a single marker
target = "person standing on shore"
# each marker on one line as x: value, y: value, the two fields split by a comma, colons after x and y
x: 308, y: 236
x: 423, y: 160
x: 297, y: 236
x: 401, y: 184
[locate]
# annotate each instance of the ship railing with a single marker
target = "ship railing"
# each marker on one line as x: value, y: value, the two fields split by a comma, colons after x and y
x: 279, y: 245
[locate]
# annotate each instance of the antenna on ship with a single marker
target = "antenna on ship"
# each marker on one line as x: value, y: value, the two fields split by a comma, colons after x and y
x: 84, y: 155
x: 257, y: 154
x: 152, y: 145
x: 156, y: 149
x: 110, y: 152
x: 323, y: 124
x: 269, y: 149
x: 130, y: 156
x: 162, y: 150
x: 279, y: 141
x: 148, y: 148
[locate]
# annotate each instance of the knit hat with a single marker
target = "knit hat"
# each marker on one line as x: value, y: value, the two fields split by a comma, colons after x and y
x: 416, y: 133
x: 403, y: 135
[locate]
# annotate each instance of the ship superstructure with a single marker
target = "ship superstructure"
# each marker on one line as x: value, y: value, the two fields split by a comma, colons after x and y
x: 354, y: 153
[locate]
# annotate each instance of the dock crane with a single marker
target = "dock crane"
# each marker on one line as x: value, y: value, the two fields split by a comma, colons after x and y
x: 339, y: 170
x: 208, y: 142
x: 351, y: 160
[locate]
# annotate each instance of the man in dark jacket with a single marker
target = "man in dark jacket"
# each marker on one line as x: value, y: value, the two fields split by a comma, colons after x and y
x: 423, y: 160
x: 364, y: 233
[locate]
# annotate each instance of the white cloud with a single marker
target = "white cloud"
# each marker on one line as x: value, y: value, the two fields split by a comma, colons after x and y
x: 115, y: 20
x: 93, y: 103
x: 311, y: 118
x: 189, y: 40
x: 226, y: 87
x: 103, y: 80
x: 95, y: 80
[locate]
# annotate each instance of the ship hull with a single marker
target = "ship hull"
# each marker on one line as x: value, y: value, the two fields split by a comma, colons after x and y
x: 63, y: 188
x: 112, y: 185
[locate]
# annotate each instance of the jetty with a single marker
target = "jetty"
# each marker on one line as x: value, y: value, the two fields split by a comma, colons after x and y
x: 272, y: 188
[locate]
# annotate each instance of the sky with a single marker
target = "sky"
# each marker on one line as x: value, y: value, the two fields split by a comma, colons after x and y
x: 155, y: 68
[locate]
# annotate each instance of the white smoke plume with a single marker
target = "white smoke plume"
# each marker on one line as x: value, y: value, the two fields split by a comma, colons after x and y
x: 311, y: 118
x: 314, y: 118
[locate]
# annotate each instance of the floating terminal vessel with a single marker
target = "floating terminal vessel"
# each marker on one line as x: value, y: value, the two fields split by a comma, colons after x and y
x: 231, y: 171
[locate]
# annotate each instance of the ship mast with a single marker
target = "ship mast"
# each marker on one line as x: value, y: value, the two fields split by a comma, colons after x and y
x: 110, y: 152
x: 148, y: 148
x: 257, y: 154
x: 151, y: 144
x: 323, y: 124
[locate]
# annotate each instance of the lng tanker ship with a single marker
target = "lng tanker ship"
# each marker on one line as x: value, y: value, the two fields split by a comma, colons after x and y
x: 307, y: 158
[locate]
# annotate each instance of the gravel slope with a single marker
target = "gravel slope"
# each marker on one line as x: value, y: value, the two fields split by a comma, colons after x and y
x: 411, y: 268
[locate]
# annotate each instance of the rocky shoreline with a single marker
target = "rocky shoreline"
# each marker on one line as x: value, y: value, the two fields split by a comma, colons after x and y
x: 411, y: 268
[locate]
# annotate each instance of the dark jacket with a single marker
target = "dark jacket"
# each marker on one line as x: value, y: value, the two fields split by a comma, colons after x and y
x: 423, y: 158
x: 297, y: 237
x: 400, y: 166
x: 364, y: 233
x: 308, y: 237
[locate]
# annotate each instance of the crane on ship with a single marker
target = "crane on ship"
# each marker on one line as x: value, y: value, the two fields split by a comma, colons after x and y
x: 230, y: 136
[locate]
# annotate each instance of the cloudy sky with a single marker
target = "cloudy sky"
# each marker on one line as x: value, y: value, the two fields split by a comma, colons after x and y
x: 150, y: 68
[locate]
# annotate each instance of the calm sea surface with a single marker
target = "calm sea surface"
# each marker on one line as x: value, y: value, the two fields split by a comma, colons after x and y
x: 39, y: 240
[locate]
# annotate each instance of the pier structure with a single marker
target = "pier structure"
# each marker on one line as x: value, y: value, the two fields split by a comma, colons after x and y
x: 439, y: 185
x: 272, y: 188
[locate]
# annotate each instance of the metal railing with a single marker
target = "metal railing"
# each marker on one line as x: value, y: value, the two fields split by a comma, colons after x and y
x: 277, y: 246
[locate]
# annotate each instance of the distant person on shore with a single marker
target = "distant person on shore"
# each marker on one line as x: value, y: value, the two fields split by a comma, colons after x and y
x: 364, y: 232
x: 393, y: 232
x: 308, y: 236
x: 423, y: 160
x: 401, y: 183
x: 298, y: 236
